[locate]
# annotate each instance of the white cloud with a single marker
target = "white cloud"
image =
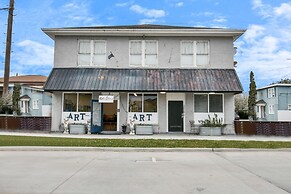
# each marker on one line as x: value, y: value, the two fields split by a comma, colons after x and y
x: 264, y: 10
x: 124, y: 4
x: 179, y: 4
x: 220, y: 20
x: 284, y: 10
x: 34, y: 53
x: 265, y: 48
x: 151, y: 13
x: 147, y: 21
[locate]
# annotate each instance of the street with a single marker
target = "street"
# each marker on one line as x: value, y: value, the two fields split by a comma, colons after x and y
x: 145, y: 172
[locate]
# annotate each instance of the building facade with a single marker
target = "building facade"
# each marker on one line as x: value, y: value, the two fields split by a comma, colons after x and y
x: 163, y: 76
x: 274, y: 102
x: 33, y: 100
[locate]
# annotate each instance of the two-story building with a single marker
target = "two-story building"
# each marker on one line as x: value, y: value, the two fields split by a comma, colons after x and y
x: 159, y: 75
x: 274, y: 102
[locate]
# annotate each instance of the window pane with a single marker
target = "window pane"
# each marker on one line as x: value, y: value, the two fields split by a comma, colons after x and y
x: 70, y: 102
x: 99, y: 59
x: 135, y: 60
x: 215, y: 103
x: 202, y: 59
x: 201, y: 103
x: 187, y: 60
x: 150, y: 103
x: 135, y: 47
x: 202, y: 47
x: 84, y: 59
x: 84, y: 47
x: 99, y: 47
x: 151, y: 47
x: 151, y: 60
x: 187, y: 48
x: 84, y: 103
x: 135, y: 103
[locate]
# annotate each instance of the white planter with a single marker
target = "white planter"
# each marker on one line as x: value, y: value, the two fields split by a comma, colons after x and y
x: 144, y: 130
x: 77, y: 129
x: 210, y: 131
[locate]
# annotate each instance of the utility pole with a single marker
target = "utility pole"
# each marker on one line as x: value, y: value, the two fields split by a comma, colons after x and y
x: 8, y: 48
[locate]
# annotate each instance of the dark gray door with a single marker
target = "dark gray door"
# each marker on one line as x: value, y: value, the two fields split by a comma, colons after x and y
x: 175, y: 116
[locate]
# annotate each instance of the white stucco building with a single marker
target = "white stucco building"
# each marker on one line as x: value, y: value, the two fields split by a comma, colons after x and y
x: 163, y: 76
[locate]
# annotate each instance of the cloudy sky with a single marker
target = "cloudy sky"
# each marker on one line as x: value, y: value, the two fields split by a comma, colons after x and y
x: 265, y: 48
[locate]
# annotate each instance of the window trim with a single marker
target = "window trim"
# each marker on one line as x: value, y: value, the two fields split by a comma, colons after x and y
x: 142, y: 101
x: 35, y: 104
x: 92, y: 53
x: 77, y: 105
x: 194, y: 53
x: 271, y: 110
x: 271, y: 92
x: 143, y: 53
x: 208, y: 108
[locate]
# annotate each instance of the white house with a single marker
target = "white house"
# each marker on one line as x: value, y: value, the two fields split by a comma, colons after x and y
x: 159, y: 75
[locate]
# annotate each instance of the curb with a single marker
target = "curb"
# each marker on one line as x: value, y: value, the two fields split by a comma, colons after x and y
x: 119, y: 149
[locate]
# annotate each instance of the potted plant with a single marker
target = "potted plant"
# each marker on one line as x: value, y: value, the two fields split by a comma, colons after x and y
x: 194, y: 128
x: 211, y: 126
x: 124, y: 127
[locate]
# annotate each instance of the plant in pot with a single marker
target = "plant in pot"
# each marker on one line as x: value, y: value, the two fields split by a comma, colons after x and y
x: 124, y: 127
x: 211, y: 126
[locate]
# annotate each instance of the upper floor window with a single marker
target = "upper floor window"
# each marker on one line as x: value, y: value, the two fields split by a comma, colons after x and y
x: 92, y: 52
x: 143, y: 53
x: 194, y: 53
x: 271, y: 92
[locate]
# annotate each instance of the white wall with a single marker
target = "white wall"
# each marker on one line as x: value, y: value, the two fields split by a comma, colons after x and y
x: 221, y: 51
x: 284, y: 115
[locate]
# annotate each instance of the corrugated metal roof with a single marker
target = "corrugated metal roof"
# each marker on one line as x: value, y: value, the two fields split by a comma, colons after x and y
x: 143, y: 80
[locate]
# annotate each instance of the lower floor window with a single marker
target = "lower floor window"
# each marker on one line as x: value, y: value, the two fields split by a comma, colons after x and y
x: 205, y: 103
x: 77, y: 102
x: 142, y: 102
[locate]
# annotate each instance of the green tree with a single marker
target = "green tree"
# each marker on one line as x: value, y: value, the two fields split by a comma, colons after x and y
x: 252, y: 97
x: 16, y: 98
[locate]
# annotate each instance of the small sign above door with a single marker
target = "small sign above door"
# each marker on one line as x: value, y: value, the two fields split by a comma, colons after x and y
x: 106, y: 99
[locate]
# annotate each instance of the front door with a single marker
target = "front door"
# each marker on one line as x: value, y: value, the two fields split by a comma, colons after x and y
x: 175, y: 116
x: 96, y: 114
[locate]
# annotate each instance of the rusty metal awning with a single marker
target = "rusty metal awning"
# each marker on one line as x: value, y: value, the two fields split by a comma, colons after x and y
x: 143, y: 80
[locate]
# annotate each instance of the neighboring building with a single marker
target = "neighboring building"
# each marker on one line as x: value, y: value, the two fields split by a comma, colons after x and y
x: 164, y: 76
x: 274, y: 102
x: 33, y: 100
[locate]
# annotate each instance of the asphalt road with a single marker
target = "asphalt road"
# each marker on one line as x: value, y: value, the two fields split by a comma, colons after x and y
x: 106, y: 172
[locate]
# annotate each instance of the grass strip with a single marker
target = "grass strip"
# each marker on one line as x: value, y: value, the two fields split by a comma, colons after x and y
x: 141, y: 143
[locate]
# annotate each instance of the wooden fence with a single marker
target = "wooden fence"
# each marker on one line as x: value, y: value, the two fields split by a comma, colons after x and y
x: 25, y: 123
x: 262, y: 128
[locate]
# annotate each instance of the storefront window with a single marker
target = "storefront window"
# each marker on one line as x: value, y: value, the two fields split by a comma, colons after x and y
x: 205, y: 103
x: 70, y: 102
x: 215, y: 103
x: 150, y: 103
x: 84, y: 104
x: 201, y: 103
x: 135, y: 103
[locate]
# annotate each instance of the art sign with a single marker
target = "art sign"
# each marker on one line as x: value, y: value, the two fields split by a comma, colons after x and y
x: 77, y: 117
x: 143, y: 118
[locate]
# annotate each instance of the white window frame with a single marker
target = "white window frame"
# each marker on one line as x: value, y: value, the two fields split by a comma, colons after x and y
x: 208, y: 107
x: 35, y: 104
x: 271, y: 93
x: 143, y: 53
x: 142, y: 101
x: 92, y: 53
x: 289, y: 107
x: 77, y: 106
x: 271, y: 109
x: 194, y: 53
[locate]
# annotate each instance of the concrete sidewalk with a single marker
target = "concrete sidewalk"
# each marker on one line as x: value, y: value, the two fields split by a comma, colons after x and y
x: 155, y: 136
